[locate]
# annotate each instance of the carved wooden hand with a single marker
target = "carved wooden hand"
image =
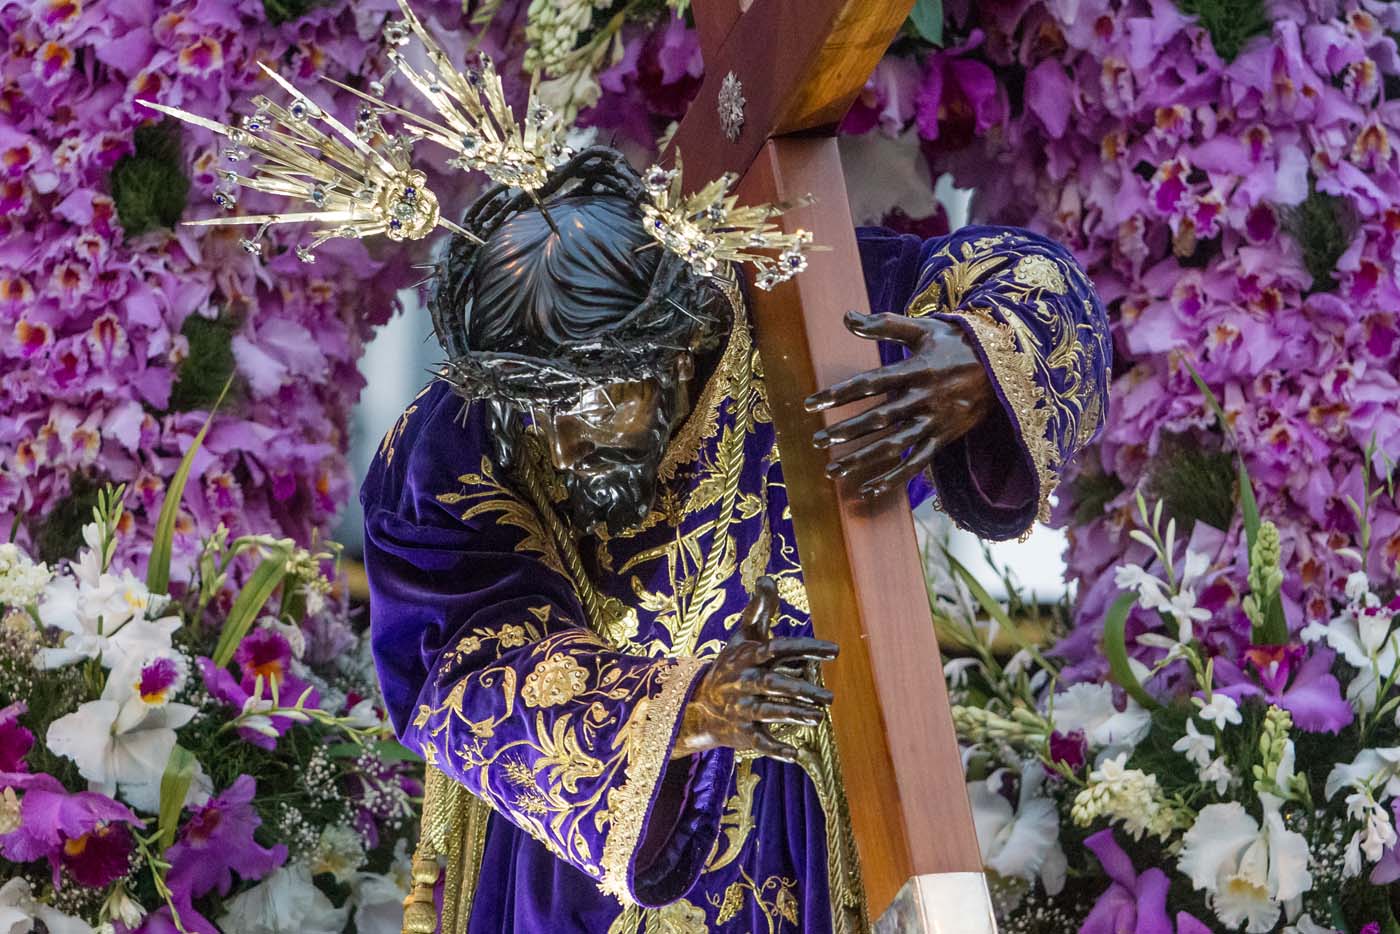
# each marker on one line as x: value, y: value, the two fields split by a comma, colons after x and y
x: 936, y: 395
x: 754, y: 685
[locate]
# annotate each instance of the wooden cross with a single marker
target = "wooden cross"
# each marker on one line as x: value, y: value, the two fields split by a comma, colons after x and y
x: 779, y: 76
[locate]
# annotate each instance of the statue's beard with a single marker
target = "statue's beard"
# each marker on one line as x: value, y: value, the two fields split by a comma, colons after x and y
x: 610, y: 490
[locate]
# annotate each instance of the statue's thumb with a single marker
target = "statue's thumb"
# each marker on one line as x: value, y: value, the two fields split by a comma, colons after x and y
x: 758, y: 615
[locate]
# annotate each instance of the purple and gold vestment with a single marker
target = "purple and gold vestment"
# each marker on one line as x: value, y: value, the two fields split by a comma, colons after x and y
x: 543, y: 674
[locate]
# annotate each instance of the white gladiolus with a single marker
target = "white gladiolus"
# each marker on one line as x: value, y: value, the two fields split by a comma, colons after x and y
x: 1221, y: 711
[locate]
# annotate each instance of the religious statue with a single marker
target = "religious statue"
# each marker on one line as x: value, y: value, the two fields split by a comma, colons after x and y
x: 587, y: 605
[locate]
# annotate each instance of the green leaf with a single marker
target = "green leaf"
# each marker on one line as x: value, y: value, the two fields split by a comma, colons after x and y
x: 248, y: 604
x: 927, y: 20
x: 1115, y: 648
x: 387, y: 750
x: 158, y: 570
x: 174, y: 786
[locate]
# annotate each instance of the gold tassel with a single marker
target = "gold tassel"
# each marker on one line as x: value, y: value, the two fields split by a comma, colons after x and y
x: 419, y: 911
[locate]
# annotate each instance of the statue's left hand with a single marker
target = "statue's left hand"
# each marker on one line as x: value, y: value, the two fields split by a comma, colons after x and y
x: 936, y: 395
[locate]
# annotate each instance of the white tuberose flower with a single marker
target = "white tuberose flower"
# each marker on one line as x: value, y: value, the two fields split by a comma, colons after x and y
x: 1022, y: 843
x: 1248, y: 871
x: 1196, y: 746
x: 22, y: 581
x: 1221, y: 710
x: 1090, y: 709
x: 286, y: 902
x: 124, y: 738
x: 19, y: 911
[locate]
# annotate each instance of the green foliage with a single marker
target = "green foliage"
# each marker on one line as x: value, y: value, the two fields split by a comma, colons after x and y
x: 158, y: 567
x: 1116, y: 651
x: 284, y: 11
x: 60, y: 533
x: 208, y: 367
x: 1323, y: 225
x: 1093, y: 491
x: 1231, y: 23
x: 926, y: 20
x: 149, y: 186
x: 1195, y: 482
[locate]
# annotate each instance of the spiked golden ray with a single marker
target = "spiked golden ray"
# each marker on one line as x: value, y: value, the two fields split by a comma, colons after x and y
x: 361, y: 183
x: 709, y: 228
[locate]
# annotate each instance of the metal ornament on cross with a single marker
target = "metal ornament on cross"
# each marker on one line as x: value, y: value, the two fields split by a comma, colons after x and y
x: 779, y: 76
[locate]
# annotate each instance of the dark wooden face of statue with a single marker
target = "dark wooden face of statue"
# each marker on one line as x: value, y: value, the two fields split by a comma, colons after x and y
x: 608, y: 445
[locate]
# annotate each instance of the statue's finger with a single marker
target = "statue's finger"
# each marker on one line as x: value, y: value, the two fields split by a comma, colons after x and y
x: 893, y: 327
x: 764, y: 742
x: 758, y: 615
x: 780, y: 685
x: 919, y: 458
x: 873, y: 419
x: 797, y: 647
x: 886, y: 450
x: 784, y: 712
x: 869, y: 383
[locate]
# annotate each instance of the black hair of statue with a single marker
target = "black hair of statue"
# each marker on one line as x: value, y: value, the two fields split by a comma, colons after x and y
x: 535, y: 312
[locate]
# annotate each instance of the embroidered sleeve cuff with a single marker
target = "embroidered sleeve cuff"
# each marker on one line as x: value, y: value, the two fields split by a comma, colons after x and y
x: 681, y: 805
x: 997, y: 479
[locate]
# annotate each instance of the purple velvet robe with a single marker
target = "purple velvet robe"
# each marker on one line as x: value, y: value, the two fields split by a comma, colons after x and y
x: 547, y: 673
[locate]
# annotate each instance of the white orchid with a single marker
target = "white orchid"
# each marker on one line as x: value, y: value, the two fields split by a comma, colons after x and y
x: 1090, y: 708
x: 1196, y: 746
x: 123, y: 740
x: 1021, y: 842
x: 378, y: 899
x: 21, y: 913
x: 285, y: 902
x: 103, y: 616
x: 1306, y: 925
x: 1248, y: 871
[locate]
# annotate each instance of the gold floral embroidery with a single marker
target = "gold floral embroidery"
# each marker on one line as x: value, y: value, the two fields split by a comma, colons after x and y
x: 774, y: 898
x: 1013, y: 367
x: 485, y: 494
x: 679, y: 917
x: 1039, y: 272
x: 627, y: 804
x: 556, y: 680
x: 511, y: 636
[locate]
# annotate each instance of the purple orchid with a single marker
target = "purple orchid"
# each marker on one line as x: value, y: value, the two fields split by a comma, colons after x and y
x: 1290, y: 677
x: 1135, y: 903
x: 85, y: 831
x: 215, y: 842
x: 15, y: 740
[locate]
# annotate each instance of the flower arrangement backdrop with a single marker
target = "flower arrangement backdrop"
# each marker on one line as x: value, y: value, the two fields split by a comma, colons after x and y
x: 1224, y: 169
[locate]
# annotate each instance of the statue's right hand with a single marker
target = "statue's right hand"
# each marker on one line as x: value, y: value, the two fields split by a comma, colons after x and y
x: 753, y: 685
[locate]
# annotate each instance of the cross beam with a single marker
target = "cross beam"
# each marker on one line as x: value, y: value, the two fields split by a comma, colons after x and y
x: 800, y: 63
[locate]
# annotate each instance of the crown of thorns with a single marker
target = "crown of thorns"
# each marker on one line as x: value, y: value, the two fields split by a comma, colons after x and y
x: 681, y: 305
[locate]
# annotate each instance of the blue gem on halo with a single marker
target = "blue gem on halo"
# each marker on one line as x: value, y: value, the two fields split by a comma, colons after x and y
x: 410, y: 193
x: 394, y: 223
